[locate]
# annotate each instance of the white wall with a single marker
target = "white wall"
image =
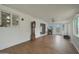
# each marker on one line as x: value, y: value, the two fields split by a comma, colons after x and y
x: 10, y: 36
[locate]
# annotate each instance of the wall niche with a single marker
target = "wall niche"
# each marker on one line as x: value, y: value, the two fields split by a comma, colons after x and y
x: 43, y: 27
x: 15, y: 20
x: 5, y: 19
x: 8, y: 19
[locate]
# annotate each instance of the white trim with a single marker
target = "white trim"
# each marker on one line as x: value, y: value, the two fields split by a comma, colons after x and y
x: 75, y: 46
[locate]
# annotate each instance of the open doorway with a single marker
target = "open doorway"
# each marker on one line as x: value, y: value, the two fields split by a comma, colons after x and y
x: 33, y: 25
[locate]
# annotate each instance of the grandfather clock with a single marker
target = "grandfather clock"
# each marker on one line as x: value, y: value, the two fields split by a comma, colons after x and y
x: 33, y: 25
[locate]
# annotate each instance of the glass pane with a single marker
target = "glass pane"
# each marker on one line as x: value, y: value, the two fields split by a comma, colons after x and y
x: 78, y: 26
x: 0, y: 18
x: 5, y: 19
x: 15, y: 19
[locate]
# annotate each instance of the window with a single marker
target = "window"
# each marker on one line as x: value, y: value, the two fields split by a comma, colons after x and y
x: 76, y: 26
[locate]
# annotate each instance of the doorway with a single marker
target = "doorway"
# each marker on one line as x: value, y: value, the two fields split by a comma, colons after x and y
x: 33, y: 25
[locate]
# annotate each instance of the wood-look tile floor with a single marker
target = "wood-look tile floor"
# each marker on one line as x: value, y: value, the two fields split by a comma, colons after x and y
x: 44, y: 45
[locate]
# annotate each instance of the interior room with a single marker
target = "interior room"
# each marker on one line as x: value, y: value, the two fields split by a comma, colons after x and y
x: 39, y: 28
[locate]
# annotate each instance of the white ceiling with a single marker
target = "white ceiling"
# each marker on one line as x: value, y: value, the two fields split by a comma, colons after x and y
x: 46, y: 11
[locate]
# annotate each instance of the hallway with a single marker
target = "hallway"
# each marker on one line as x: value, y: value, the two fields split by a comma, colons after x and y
x: 45, y: 45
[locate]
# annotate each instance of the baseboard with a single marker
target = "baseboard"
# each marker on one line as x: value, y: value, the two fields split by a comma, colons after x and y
x: 14, y: 45
x: 75, y: 46
x: 20, y: 43
x: 41, y: 36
